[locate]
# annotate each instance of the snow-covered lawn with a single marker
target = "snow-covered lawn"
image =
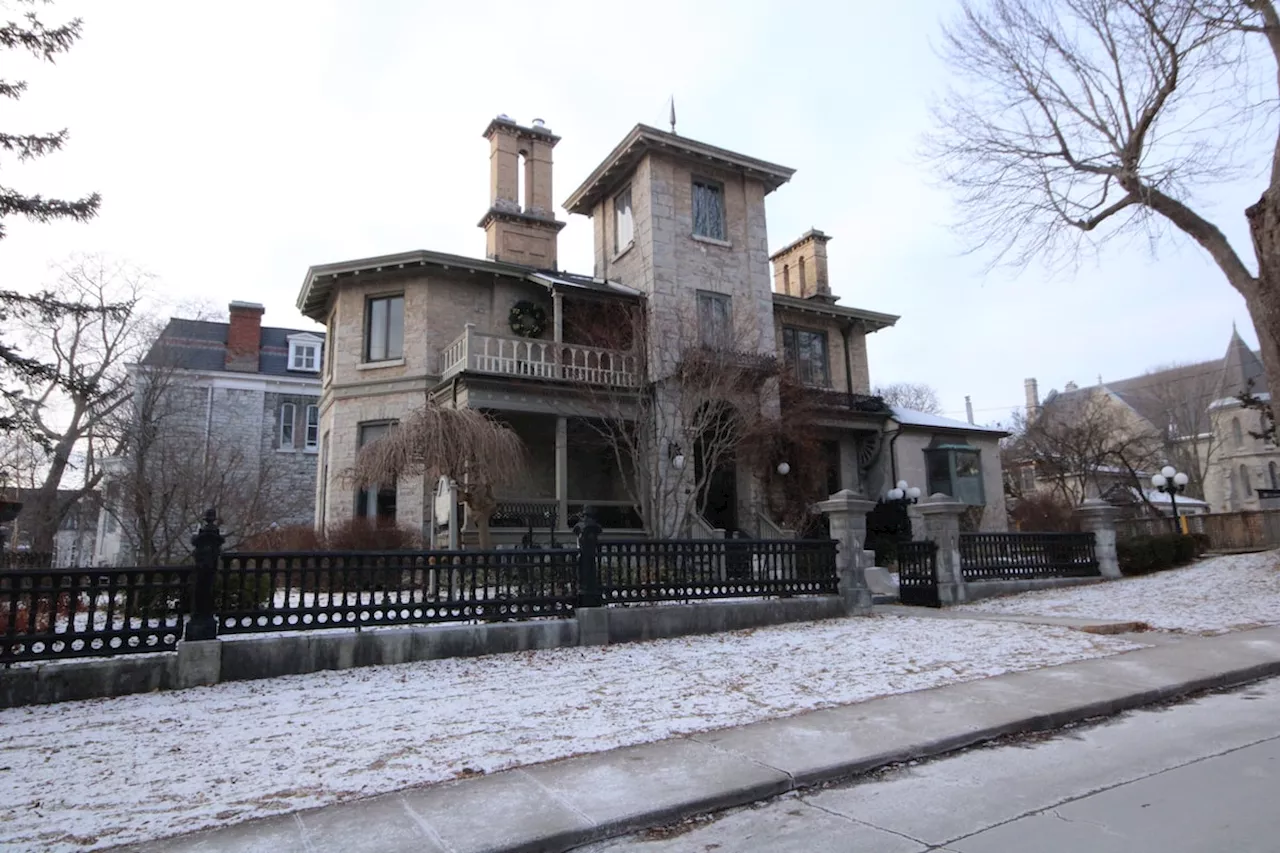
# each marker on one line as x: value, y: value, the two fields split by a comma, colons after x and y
x: 1212, y: 596
x: 93, y: 774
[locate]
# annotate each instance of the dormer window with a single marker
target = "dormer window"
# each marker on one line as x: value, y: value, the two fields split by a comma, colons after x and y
x: 304, y: 353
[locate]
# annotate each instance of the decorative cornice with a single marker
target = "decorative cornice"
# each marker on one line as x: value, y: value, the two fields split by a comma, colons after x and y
x: 520, y: 217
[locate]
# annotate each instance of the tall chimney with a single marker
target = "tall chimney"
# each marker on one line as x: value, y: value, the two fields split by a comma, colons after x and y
x: 520, y: 231
x: 1033, y: 399
x: 244, y: 337
x: 968, y: 407
x: 800, y: 268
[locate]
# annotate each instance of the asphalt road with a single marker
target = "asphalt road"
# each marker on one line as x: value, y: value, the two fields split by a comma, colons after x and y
x: 1198, y: 776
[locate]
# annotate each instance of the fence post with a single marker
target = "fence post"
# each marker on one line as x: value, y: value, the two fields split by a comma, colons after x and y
x: 846, y: 514
x: 588, y: 530
x: 1099, y: 518
x: 202, y: 624
x: 941, y: 515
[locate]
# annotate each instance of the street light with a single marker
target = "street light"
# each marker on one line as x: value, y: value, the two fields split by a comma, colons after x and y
x: 903, y: 493
x: 1171, y: 482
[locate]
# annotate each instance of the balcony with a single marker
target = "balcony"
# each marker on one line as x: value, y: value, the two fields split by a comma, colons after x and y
x: 532, y: 358
x: 865, y: 404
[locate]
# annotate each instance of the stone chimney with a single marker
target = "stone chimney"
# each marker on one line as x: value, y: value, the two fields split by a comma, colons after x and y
x: 520, y: 231
x: 800, y: 268
x: 244, y: 337
x: 1071, y: 386
x: 1033, y: 399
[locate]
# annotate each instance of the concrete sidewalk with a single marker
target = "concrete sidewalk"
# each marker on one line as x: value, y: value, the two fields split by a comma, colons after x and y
x: 562, y: 804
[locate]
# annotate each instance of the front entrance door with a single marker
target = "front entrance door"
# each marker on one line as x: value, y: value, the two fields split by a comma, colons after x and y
x: 722, y: 497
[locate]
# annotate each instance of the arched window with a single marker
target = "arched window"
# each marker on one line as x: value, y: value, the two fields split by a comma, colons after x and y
x: 786, y: 279
x: 1246, y: 490
x: 1237, y: 435
x: 803, y: 280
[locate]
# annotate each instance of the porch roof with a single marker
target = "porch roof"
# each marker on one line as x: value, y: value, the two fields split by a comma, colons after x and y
x: 317, y: 286
x: 874, y: 320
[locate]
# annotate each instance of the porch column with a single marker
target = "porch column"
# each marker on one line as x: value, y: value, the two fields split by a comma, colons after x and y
x: 941, y: 516
x: 557, y: 326
x: 562, y: 469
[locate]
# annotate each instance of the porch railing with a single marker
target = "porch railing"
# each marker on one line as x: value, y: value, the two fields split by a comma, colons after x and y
x: 1013, y: 556
x: 612, y: 515
x: 537, y: 359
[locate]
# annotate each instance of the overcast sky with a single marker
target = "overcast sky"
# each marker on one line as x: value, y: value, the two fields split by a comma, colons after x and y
x: 237, y: 143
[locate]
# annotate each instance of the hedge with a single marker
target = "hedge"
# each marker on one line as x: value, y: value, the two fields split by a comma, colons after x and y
x: 1144, y: 554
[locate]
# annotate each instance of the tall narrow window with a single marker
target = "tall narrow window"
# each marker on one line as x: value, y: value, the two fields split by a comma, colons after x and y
x: 1246, y: 488
x: 786, y: 279
x: 1237, y: 435
x: 328, y: 353
x: 376, y: 503
x: 805, y: 353
x: 804, y: 280
x: 715, y: 319
x: 623, y: 223
x: 1275, y: 479
x: 708, y: 209
x: 522, y: 181
x: 312, y: 437
x: 384, y: 328
x: 286, y: 426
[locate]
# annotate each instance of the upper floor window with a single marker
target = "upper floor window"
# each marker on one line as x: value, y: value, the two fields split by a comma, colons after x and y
x: 1027, y: 478
x: 806, y: 356
x: 1246, y: 488
x: 287, y: 415
x: 955, y: 470
x: 1237, y: 435
x: 708, y: 209
x: 312, y: 438
x: 715, y: 319
x: 304, y: 357
x: 1274, y: 475
x: 623, y: 223
x: 384, y: 328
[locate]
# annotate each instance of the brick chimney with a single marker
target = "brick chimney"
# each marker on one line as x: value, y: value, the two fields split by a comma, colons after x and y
x: 244, y: 337
x: 800, y: 268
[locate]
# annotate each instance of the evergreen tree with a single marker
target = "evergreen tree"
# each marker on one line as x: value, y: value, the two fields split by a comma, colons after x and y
x: 19, y: 370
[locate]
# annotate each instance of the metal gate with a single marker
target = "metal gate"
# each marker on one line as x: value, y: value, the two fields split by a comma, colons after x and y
x: 918, y: 574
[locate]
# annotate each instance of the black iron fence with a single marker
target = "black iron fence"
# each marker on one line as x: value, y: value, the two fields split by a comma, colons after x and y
x: 918, y: 573
x: 256, y: 592
x: 47, y: 614
x: 1016, y: 556
x: 689, y: 570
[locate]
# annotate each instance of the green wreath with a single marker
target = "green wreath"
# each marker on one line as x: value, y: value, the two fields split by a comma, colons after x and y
x: 527, y: 319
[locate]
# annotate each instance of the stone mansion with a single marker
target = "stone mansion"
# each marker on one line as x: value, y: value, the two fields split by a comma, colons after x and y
x: 679, y: 236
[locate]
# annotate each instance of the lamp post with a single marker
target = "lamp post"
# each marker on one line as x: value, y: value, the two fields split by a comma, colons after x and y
x: 1171, y: 482
x: 903, y: 494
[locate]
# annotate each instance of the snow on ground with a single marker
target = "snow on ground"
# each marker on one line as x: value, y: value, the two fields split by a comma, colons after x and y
x: 85, y: 775
x: 1212, y: 596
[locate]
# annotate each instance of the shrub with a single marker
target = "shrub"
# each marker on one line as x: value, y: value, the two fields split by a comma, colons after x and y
x: 1043, y: 512
x: 358, y: 534
x: 1144, y: 554
x: 297, y: 537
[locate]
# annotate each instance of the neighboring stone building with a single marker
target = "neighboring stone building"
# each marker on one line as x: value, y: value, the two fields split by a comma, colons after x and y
x: 227, y: 417
x: 1193, y: 419
x: 680, y: 240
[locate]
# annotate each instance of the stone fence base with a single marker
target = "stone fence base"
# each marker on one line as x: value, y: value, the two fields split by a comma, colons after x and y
x: 245, y: 657
x: 978, y: 590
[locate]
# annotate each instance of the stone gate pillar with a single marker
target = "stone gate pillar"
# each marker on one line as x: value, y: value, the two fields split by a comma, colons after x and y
x: 941, y: 516
x: 1099, y: 518
x: 846, y: 514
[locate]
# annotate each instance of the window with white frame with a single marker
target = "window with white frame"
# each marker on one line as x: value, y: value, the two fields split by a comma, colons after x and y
x: 304, y: 355
x: 287, y: 415
x: 312, y: 437
x: 623, y: 222
x: 708, y: 209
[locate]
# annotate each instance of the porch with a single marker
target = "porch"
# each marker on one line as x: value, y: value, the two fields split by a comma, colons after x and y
x: 571, y: 466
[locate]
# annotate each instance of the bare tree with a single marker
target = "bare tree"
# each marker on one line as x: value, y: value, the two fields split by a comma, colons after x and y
x: 690, y: 408
x: 472, y: 449
x: 1083, y: 447
x: 911, y: 395
x: 1179, y: 411
x: 1085, y: 119
x: 73, y: 410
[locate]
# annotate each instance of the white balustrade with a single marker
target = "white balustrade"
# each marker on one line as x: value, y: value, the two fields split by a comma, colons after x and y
x: 536, y: 358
